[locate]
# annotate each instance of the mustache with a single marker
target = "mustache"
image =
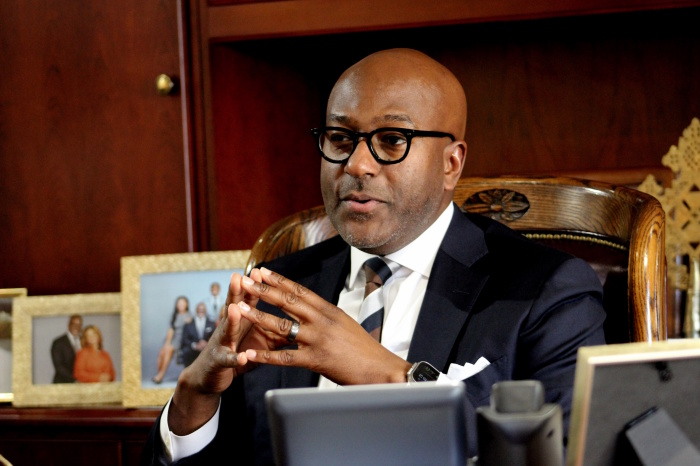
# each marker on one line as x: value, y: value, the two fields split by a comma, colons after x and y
x: 361, y: 188
x: 350, y: 186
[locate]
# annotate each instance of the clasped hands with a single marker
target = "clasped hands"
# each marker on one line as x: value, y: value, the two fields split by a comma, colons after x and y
x: 328, y: 341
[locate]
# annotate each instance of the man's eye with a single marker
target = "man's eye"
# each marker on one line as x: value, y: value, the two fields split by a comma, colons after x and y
x: 393, y: 139
x: 339, y: 138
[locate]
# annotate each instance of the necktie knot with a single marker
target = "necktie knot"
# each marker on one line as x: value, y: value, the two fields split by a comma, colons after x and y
x: 377, y: 272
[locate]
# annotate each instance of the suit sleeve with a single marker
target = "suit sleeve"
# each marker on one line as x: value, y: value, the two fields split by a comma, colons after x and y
x: 566, y: 315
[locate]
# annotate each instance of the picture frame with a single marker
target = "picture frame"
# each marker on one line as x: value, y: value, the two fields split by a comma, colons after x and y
x: 616, y: 385
x: 38, y: 323
x: 152, y: 287
x: 7, y: 296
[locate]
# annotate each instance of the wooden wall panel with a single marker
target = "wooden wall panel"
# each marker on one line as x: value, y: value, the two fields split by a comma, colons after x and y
x: 264, y: 103
x: 91, y: 159
x: 555, y: 95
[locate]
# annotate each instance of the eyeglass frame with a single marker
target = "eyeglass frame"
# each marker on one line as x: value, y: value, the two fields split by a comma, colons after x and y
x: 357, y: 135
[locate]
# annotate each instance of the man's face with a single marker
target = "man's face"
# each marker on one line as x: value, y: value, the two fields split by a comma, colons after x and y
x: 215, y: 290
x: 381, y: 208
x: 75, y: 325
x: 201, y: 310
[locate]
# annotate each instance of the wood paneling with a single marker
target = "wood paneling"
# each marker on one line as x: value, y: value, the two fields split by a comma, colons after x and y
x: 545, y: 96
x: 91, y: 158
x: 261, y: 19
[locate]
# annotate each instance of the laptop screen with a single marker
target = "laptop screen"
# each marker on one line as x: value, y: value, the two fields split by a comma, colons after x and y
x: 387, y: 424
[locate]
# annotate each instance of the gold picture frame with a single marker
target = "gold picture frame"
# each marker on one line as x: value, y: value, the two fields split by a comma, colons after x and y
x: 38, y: 321
x: 151, y: 287
x: 7, y: 296
x: 615, y: 384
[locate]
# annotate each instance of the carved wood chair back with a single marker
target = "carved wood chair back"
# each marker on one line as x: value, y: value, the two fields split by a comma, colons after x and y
x: 619, y: 231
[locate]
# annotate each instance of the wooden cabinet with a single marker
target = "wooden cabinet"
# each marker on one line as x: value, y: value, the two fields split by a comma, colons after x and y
x: 93, y: 162
x: 73, y: 437
x: 552, y: 86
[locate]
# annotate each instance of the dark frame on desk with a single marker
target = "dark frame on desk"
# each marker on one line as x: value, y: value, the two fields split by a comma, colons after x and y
x: 615, y: 384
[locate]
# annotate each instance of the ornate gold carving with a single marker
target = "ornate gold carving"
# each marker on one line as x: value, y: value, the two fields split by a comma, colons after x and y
x: 498, y: 204
x: 681, y: 201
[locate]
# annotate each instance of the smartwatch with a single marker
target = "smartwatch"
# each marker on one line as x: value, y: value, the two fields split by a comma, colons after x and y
x: 422, y: 372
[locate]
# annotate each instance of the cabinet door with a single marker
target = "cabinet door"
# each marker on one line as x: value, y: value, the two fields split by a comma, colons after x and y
x: 92, y: 159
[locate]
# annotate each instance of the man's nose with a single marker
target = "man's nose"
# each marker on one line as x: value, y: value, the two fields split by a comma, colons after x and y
x: 362, y: 162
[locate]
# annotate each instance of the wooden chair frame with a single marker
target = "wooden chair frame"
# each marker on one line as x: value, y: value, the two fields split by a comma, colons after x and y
x: 552, y: 210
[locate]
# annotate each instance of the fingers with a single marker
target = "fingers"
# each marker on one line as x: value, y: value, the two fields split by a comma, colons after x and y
x: 237, y: 293
x: 286, y: 357
x: 232, y: 328
x: 278, y: 330
x: 294, y: 299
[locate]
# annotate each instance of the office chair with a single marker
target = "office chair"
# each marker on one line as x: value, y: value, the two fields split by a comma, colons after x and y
x: 619, y: 231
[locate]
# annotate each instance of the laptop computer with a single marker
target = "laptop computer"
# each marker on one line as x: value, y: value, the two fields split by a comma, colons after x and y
x: 418, y: 424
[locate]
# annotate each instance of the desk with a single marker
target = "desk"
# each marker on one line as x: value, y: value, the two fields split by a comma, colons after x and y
x: 74, y: 436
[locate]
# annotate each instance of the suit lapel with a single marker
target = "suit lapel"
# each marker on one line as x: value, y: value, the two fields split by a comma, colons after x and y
x: 452, y: 290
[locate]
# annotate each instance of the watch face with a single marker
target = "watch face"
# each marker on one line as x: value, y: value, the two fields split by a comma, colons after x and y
x: 425, y: 373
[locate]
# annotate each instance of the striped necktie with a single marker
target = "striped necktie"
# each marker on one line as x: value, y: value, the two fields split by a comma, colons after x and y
x: 377, y: 272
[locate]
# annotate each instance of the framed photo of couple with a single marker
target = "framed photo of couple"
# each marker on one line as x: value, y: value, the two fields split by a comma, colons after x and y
x: 66, y: 350
x: 170, y: 306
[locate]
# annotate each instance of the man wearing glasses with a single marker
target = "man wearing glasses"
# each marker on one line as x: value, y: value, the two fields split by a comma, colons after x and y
x: 451, y: 290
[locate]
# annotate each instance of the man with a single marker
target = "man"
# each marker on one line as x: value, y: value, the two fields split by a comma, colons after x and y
x: 64, y: 349
x: 461, y: 287
x: 214, y: 302
x: 196, y: 334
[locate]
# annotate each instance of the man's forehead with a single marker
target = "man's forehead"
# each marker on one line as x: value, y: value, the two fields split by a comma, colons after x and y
x: 378, y: 120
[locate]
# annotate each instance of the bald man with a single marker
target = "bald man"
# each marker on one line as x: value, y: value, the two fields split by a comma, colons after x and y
x: 461, y: 289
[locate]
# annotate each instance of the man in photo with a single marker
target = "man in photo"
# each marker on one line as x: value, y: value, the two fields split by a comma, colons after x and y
x: 196, y: 334
x: 214, y: 302
x: 64, y: 349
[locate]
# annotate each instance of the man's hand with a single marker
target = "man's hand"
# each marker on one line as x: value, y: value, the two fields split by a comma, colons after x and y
x: 199, y: 386
x: 329, y: 341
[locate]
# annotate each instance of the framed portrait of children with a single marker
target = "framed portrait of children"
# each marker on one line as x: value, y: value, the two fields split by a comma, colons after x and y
x: 7, y: 296
x: 170, y: 307
x: 67, y: 350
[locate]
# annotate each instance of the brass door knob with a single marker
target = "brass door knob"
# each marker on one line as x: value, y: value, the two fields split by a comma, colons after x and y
x: 164, y: 84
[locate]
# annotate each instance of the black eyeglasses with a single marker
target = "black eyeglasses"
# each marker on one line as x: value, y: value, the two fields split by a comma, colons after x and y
x: 387, y: 145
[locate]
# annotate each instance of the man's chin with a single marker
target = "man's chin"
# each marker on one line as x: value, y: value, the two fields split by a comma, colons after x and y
x: 367, y: 241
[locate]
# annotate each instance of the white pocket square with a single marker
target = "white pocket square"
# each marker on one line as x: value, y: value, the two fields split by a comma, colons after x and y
x: 457, y: 372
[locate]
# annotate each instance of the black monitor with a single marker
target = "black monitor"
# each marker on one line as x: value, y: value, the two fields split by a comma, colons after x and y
x: 415, y: 424
x: 636, y: 403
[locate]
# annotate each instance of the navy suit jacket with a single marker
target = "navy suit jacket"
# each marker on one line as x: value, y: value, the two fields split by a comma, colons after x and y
x: 524, y: 307
x: 63, y: 357
x: 189, y: 336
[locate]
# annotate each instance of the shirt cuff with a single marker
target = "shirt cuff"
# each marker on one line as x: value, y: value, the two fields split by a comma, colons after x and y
x: 177, y: 446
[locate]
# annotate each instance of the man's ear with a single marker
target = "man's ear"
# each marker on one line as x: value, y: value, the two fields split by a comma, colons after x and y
x: 454, y: 156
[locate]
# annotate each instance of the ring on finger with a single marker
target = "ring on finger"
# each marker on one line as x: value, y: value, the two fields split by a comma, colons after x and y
x: 293, y: 332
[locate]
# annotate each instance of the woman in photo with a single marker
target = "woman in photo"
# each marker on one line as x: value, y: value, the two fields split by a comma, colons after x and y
x: 173, y: 338
x: 92, y: 363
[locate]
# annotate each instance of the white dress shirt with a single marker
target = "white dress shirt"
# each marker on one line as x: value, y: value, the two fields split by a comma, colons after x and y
x: 403, y: 297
